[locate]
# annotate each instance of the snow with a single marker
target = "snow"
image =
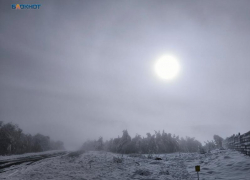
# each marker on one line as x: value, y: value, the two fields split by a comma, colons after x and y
x: 218, y: 164
x: 29, y: 154
x: 230, y: 165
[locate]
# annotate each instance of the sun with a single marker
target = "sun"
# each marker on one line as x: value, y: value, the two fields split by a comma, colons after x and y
x: 167, y: 67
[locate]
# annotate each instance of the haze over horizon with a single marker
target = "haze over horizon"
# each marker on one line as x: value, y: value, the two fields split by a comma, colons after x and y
x: 77, y: 70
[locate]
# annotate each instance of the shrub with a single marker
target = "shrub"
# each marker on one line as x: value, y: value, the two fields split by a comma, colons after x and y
x: 76, y: 154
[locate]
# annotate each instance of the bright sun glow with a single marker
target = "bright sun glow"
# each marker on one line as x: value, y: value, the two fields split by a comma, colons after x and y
x: 167, y: 67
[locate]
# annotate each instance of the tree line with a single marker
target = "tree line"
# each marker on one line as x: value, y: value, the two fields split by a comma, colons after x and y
x: 152, y: 143
x: 14, y: 141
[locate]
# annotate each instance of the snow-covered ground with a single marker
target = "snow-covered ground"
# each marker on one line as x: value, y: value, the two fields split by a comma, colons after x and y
x: 228, y: 165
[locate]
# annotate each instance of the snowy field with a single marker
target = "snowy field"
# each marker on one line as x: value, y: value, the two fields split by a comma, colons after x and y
x: 228, y: 165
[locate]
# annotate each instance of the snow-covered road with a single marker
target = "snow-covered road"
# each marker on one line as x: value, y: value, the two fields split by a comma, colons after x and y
x: 8, y: 163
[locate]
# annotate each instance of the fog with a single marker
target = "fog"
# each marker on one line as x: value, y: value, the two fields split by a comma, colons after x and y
x: 78, y: 70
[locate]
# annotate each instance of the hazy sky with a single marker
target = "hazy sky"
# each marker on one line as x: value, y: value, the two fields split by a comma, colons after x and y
x: 77, y: 70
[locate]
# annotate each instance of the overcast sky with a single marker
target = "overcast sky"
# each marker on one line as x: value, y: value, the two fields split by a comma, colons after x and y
x: 77, y: 70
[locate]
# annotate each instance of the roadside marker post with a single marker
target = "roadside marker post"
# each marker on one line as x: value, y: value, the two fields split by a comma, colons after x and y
x: 197, y: 169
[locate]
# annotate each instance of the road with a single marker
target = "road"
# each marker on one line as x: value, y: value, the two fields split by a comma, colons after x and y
x: 12, y: 163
